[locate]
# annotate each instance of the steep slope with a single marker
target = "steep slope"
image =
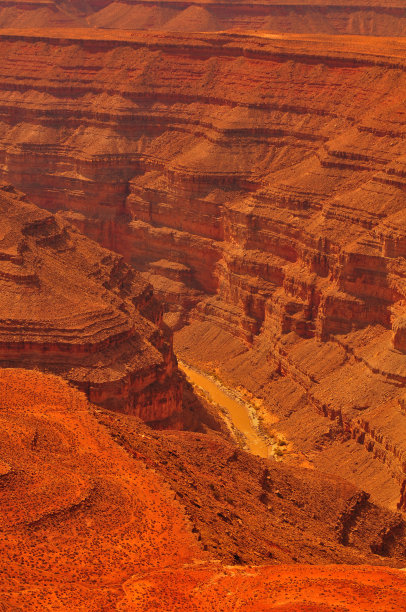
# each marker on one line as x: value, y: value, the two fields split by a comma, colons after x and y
x: 73, y: 308
x: 86, y: 524
x: 258, y: 181
x: 249, y: 510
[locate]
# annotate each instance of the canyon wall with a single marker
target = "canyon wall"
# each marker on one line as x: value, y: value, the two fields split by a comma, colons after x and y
x: 259, y: 184
x: 71, y: 307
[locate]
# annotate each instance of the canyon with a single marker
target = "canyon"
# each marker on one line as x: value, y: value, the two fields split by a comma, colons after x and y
x: 100, y: 512
x: 202, y: 305
x: 257, y: 182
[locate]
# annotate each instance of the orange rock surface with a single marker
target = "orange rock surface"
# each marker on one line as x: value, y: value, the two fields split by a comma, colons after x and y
x: 88, y: 525
x: 258, y: 182
x: 71, y: 307
x: 284, y: 589
x: 79, y: 517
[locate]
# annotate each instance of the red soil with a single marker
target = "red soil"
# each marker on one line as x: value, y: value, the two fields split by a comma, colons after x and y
x: 286, y: 589
x: 79, y: 517
x: 86, y: 526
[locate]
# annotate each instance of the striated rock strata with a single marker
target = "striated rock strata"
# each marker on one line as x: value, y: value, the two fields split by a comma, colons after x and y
x: 259, y: 184
x: 86, y: 524
x: 71, y: 307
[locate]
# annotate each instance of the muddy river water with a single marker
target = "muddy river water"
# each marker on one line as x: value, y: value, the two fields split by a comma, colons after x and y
x: 238, y: 411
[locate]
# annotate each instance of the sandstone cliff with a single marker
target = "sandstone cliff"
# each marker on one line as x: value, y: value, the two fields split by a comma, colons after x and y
x: 259, y: 185
x: 86, y: 524
x: 71, y: 307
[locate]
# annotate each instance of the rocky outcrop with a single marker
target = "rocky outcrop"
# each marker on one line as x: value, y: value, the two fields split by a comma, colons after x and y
x: 258, y: 183
x: 71, y: 307
x: 247, y: 510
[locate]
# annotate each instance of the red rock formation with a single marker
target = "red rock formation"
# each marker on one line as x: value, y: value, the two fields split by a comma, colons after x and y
x: 365, y: 17
x: 257, y: 180
x: 86, y: 524
x: 71, y: 307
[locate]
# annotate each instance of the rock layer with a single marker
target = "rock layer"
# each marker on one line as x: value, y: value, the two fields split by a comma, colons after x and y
x: 71, y: 307
x: 258, y: 182
x: 377, y: 18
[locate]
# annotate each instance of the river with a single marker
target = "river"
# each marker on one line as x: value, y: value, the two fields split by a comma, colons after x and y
x: 238, y: 411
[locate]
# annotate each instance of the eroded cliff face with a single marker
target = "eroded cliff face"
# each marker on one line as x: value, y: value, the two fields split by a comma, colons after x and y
x: 71, y: 307
x: 258, y: 182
